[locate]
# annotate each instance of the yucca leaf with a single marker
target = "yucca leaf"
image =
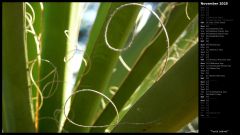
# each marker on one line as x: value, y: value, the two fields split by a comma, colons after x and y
x: 175, y: 26
x: 166, y: 107
x: 54, y: 44
x: 182, y: 45
x: 31, y: 45
x: 102, y: 59
x: 15, y: 92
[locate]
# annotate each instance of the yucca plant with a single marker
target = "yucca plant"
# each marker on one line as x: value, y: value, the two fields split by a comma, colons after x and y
x: 130, y: 79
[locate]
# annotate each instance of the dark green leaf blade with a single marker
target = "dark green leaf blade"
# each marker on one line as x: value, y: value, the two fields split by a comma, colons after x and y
x: 54, y: 44
x: 15, y: 92
x: 170, y: 103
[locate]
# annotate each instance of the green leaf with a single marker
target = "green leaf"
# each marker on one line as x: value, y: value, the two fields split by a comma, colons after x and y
x: 54, y: 44
x: 166, y: 107
x: 146, y: 62
x: 16, y: 98
x: 102, y: 59
x: 31, y: 45
x: 182, y: 45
